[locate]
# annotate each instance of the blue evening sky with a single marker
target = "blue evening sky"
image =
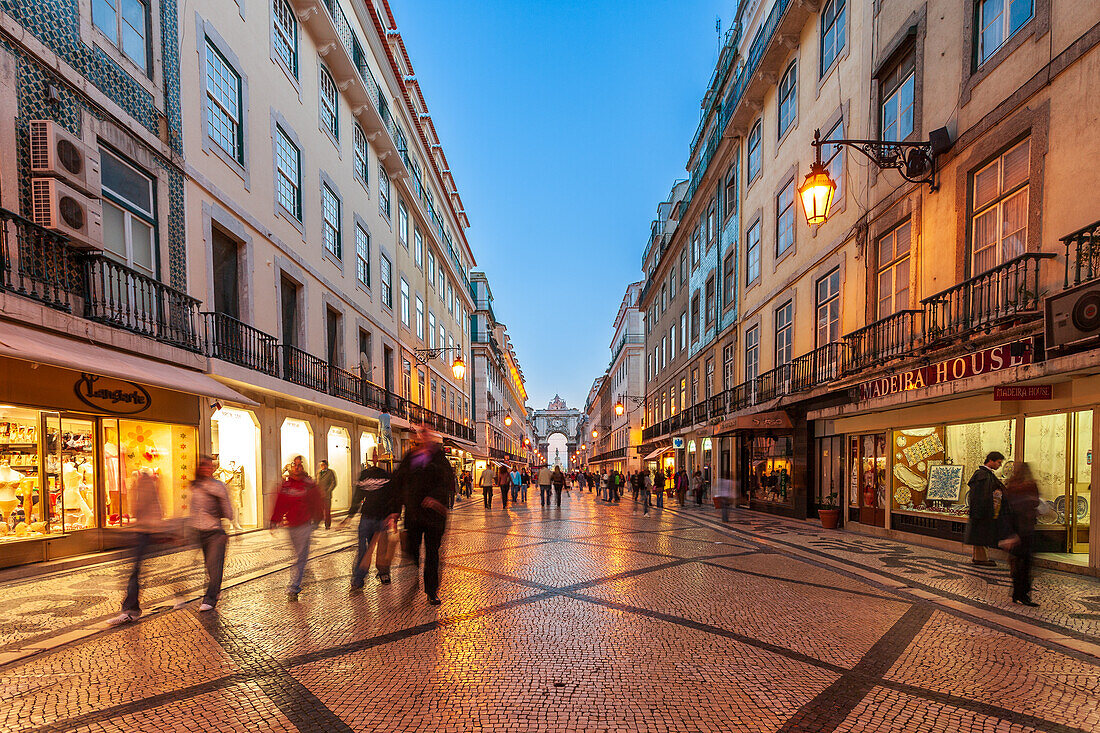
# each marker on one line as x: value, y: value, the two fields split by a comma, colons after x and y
x: 565, y: 124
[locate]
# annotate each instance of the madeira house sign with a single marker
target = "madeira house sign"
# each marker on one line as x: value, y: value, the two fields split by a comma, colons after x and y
x: 113, y: 396
x: 989, y: 360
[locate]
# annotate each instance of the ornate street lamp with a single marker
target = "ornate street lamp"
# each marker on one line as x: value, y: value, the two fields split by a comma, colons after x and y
x: 620, y: 408
x: 458, y: 367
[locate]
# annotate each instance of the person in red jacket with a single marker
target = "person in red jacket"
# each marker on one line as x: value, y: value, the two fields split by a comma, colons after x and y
x: 300, y: 507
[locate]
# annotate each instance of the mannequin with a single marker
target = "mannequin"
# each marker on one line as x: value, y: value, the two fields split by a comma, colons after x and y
x: 9, y: 481
x: 233, y: 478
x: 77, y: 512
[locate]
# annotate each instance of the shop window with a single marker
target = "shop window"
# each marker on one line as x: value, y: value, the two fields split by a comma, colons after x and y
x: 235, y: 441
x: 1058, y: 449
x: 868, y: 484
x: 368, y: 448
x: 1000, y: 208
x: 339, y: 460
x: 134, y: 447
x: 769, y: 462
x: 893, y: 271
x: 829, y: 487
x: 296, y: 439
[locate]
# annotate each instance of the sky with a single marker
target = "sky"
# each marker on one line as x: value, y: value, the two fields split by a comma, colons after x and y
x: 565, y: 124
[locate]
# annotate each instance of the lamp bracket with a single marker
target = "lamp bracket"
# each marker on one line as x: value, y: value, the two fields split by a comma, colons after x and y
x: 423, y: 356
x: 915, y: 161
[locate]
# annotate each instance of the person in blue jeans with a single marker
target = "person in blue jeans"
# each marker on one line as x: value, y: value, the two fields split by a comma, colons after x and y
x: 517, y: 481
x: 378, y: 504
x: 300, y: 506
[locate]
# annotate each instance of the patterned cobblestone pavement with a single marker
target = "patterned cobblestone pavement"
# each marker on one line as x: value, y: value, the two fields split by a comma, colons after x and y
x: 587, y: 618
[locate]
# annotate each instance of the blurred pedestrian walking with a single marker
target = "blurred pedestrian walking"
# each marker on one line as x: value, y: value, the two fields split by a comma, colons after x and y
x: 517, y: 482
x: 326, y: 482
x: 504, y: 481
x: 148, y: 523
x: 544, y: 485
x: 1019, y: 509
x: 659, y: 487
x: 557, y: 480
x: 984, y: 498
x: 697, y: 487
x: 300, y: 506
x: 646, y: 481
x: 487, y: 482
x: 424, y: 479
x: 525, y: 481
x: 209, y: 506
x: 378, y: 504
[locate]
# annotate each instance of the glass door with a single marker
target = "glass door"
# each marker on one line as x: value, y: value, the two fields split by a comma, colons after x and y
x: 77, y: 449
x: 1080, y: 493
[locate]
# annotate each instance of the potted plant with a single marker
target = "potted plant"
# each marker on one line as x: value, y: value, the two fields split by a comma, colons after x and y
x: 829, y: 512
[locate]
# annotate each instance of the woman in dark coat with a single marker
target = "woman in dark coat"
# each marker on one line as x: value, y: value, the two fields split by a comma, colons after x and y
x: 1017, y: 520
x: 985, y: 489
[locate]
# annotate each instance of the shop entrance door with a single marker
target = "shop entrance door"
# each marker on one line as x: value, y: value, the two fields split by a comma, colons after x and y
x: 1080, y: 481
x: 872, y: 479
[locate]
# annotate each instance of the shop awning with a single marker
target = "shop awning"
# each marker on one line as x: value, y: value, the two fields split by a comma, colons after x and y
x: 453, y: 442
x: 660, y: 451
x: 28, y: 344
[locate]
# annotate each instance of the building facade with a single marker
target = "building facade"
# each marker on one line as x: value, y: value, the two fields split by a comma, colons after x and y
x: 616, y: 408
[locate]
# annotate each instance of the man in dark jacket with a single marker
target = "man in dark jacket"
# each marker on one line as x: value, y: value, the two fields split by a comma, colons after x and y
x: 378, y: 505
x: 425, y: 479
x: 985, y: 492
x: 557, y: 480
x: 326, y: 482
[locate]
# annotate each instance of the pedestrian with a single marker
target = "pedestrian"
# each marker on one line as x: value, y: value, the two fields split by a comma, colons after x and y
x: 487, y: 482
x: 984, y: 499
x: 326, y: 483
x: 148, y: 523
x: 557, y: 480
x: 544, y: 485
x: 1019, y: 508
x: 504, y: 481
x: 659, y: 487
x: 378, y: 505
x: 697, y: 486
x: 680, y: 486
x: 525, y: 481
x: 301, y: 507
x: 424, y: 478
x: 209, y: 506
x: 605, y: 482
x: 646, y: 482
x: 468, y: 483
x: 517, y: 483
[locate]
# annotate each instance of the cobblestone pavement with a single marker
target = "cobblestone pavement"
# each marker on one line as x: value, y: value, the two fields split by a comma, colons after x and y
x: 585, y: 618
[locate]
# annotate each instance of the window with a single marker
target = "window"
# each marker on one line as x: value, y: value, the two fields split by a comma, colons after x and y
x: 330, y: 221
x: 361, y: 157
x: 362, y: 256
x: 406, y: 378
x: 695, y: 386
x: 402, y: 223
x: 784, y: 332
x: 288, y: 168
x: 752, y: 253
x: 126, y: 25
x: 672, y: 284
x: 708, y: 385
x: 671, y: 341
x: 727, y: 367
x: 330, y: 119
x: 419, y: 317
x: 441, y: 283
x: 664, y: 299
x: 1000, y: 209
x: 832, y: 32
x: 442, y: 335
x: 729, y: 194
x: 998, y: 20
x: 383, y: 192
x: 788, y: 98
x: 695, y: 235
x: 387, y: 281
x: 223, y: 104
x: 711, y: 228
x: 431, y: 329
x: 893, y: 271
x: 450, y: 298
x: 285, y: 32
x: 784, y: 219
x: 695, y: 316
x: 365, y: 368
x: 708, y: 302
x: 422, y: 390
x: 418, y: 247
x: 897, y: 101
x: 683, y: 330
x: 404, y: 302
x: 129, y: 216
x: 664, y: 349
x: 834, y: 159
x: 431, y: 267
x: 752, y: 353
x: 828, y: 308
x: 753, y: 157
x: 683, y: 393
x: 729, y: 275
x: 683, y: 266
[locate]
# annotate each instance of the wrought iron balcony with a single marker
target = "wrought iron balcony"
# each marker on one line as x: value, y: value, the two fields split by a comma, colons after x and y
x: 820, y: 366
x: 1007, y: 292
x: 238, y: 343
x: 1082, y: 254
x: 304, y: 369
x: 37, y: 263
x: 891, y: 337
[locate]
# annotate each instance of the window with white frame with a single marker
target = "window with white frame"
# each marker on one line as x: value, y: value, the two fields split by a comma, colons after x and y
x: 834, y: 159
x: 125, y: 23
x: 431, y: 330
x: 784, y: 219
x: 418, y: 247
x: 285, y: 32
x: 784, y: 332
x: 788, y: 98
x: 683, y: 266
x: 752, y: 253
x: 386, y: 279
x: 752, y: 353
x: 361, y: 155
x: 402, y: 223
x: 129, y: 213
x: 404, y: 302
x: 223, y: 104
x: 672, y: 284
x: 1000, y: 206
x: 753, y: 156
x: 729, y: 277
x: 727, y: 366
x: 330, y: 117
x: 383, y: 192
x: 828, y: 308
x: 330, y: 221
x: 288, y: 167
x: 893, y: 271
x: 683, y: 330
x: 832, y: 32
x: 897, y: 109
x: 998, y: 20
x: 431, y: 267
x: 362, y: 256
x: 729, y: 193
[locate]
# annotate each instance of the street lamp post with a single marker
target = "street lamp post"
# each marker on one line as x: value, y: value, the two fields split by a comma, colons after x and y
x: 458, y: 367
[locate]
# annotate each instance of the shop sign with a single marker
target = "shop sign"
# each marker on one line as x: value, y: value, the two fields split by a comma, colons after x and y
x: 1010, y: 393
x: 678, y: 443
x: 113, y: 396
x: 987, y: 361
x: 761, y: 421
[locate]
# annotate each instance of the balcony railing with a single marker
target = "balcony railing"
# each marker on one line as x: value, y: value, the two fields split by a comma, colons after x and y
x: 39, y: 264
x: 1005, y: 292
x: 1083, y: 254
x: 820, y: 366
x: 304, y: 369
x: 238, y: 343
x: 344, y: 384
x: 891, y: 337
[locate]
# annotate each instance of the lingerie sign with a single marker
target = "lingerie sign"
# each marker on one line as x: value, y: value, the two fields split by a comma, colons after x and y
x: 113, y: 396
x: 987, y: 361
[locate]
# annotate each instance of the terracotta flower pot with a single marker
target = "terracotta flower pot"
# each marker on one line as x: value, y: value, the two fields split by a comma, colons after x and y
x: 830, y: 518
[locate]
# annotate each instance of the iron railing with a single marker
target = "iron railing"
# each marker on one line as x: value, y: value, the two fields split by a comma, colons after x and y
x: 894, y: 336
x: 1083, y: 254
x: 37, y: 263
x: 1005, y: 292
x: 238, y: 343
x: 304, y: 369
x: 820, y: 366
x: 343, y: 384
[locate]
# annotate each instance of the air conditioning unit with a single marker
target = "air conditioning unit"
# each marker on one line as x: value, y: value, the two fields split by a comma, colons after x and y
x: 57, y: 153
x: 1073, y: 316
x: 63, y: 209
